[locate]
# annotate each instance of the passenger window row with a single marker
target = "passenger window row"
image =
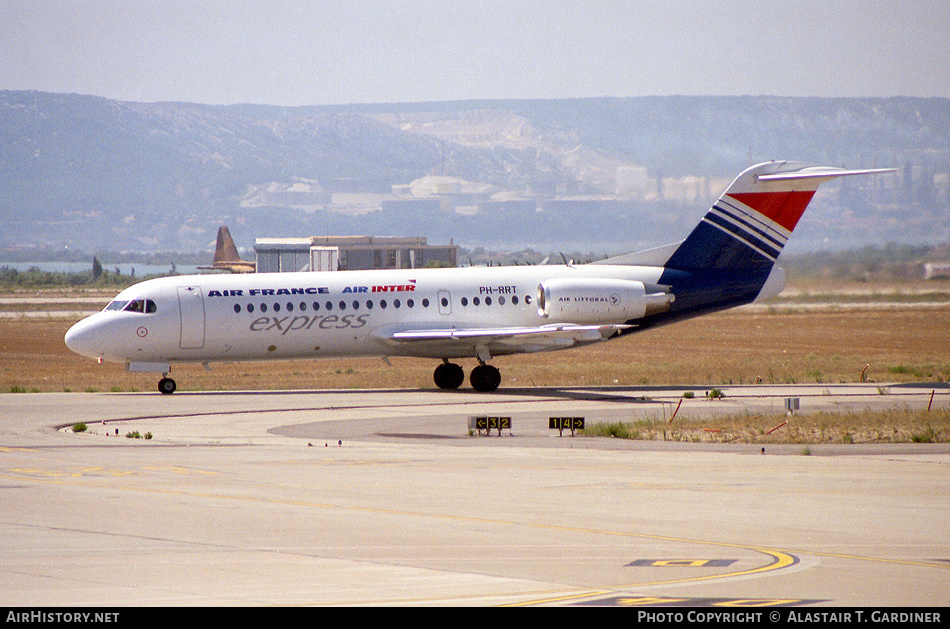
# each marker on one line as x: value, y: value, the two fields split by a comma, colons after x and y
x: 329, y: 306
x: 343, y: 305
x: 501, y: 300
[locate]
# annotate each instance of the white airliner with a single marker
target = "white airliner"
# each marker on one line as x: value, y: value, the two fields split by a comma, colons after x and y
x: 475, y: 312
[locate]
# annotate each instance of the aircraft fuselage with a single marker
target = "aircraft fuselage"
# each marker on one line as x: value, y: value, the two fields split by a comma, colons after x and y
x: 206, y: 318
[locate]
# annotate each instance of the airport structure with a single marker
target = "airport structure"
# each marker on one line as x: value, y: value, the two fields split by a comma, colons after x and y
x: 350, y: 253
x: 936, y: 270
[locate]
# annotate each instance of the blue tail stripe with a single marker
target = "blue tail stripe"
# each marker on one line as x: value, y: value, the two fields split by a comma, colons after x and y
x: 743, y: 236
x: 754, y: 225
x: 710, y: 246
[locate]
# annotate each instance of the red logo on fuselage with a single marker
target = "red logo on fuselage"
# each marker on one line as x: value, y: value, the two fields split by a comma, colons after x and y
x: 394, y: 288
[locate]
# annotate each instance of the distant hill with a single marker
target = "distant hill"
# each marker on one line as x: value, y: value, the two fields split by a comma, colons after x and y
x: 606, y: 174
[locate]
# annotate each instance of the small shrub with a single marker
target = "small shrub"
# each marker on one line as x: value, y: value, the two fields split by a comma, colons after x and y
x: 79, y: 427
x: 927, y: 436
x: 618, y: 430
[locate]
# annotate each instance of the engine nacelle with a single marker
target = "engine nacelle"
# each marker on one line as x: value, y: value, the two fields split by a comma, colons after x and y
x: 592, y: 301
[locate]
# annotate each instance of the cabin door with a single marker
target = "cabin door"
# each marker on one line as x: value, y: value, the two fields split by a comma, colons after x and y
x: 191, y: 306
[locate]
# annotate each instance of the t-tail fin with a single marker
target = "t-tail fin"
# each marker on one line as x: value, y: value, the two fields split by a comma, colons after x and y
x: 748, y: 226
x: 225, y: 250
x: 226, y: 256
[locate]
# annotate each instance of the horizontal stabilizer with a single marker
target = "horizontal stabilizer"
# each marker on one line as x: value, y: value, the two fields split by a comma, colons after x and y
x: 822, y: 173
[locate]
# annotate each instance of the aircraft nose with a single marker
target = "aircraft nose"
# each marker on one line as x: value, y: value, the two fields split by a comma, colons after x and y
x: 82, y: 338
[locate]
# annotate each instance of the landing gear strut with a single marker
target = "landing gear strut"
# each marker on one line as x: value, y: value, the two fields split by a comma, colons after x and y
x: 167, y: 386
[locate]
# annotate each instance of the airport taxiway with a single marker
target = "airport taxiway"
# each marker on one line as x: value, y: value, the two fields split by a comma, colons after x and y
x: 384, y: 498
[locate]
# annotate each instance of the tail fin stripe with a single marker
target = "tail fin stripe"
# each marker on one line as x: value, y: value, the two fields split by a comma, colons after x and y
x: 764, y: 223
x: 742, y: 237
x: 747, y: 226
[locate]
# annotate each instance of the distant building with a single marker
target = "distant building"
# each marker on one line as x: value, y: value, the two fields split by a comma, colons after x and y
x: 411, y: 206
x: 331, y: 253
x: 936, y: 270
x: 509, y: 207
x: 633, y: 181
x: 299, y: 193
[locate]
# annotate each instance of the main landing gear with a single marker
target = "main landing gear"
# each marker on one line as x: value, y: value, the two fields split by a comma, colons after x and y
x: 448, y: 376
x: 484, y: 377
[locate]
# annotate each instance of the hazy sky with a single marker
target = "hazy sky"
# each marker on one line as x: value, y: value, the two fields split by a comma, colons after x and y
x: 310, y: 52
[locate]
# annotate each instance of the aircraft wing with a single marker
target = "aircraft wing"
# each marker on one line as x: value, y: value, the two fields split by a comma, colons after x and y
x: 498, y: 340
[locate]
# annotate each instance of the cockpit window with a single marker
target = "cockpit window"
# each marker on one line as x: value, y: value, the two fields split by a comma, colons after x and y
x: 136, y: 305
x: 141, y: 305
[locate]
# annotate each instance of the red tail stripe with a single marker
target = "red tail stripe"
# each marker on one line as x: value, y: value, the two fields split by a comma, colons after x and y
x: 785, y: 208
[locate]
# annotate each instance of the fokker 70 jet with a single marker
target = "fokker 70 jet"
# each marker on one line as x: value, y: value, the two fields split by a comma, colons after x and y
x: 449, y: 314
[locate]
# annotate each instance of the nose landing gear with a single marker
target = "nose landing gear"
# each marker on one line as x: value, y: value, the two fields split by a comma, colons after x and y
x: 167, y: 386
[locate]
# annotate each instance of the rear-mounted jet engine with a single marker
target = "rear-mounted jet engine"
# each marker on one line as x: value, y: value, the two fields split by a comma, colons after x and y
x: 586, y: 301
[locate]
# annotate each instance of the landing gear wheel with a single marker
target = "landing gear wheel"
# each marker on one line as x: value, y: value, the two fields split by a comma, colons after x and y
x: 167, y: 386
x: 485, y: 378
x: 448, y: 376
